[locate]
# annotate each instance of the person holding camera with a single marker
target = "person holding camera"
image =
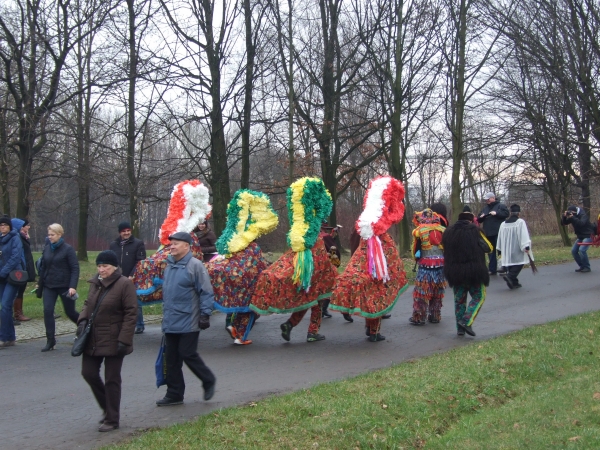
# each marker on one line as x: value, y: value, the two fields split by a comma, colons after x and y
x: 111, y: 336
x: 187, y: 306
x: 59, y: 275
x: 583, y: 229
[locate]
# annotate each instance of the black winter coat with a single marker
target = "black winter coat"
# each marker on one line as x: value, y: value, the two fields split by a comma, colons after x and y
x: 129, y: 254
x: 60, y: 269
x: 464, y: 255
x: 207, y: 239
x: 29, y: 264
x: 581, y: 224
x: 491, y: 223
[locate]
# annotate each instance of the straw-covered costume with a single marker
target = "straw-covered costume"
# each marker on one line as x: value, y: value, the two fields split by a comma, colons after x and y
x: 427, y: 250
x: 234, y: 275
x: 303, y: 275
x: 465, y: 247
x: 188, y: 207
x: 374, y: 278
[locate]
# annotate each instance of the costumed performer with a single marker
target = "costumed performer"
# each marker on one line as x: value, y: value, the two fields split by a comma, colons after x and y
x: 374, y: 278
x: 428, y: 253
x: 188, y: 207
x: 303, y: 275
x: 235, y: 273
x: 513, y: 246
x: 465, y: 247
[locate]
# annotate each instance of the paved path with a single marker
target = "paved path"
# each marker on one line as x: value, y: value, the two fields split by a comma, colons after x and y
x: 48, y: 405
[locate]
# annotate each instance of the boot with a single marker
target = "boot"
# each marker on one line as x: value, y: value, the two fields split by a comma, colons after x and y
x: 18, y: 308
x: 50, y: 343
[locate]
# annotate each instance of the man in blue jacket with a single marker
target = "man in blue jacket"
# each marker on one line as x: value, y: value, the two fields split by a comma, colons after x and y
x: 187, y: 306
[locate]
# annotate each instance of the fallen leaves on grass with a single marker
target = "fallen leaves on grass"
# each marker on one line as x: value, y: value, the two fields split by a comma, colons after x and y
x: 574, y: 438
x: 596, y: 395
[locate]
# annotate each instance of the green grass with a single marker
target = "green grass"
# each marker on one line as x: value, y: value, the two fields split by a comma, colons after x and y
x: 536, y: 389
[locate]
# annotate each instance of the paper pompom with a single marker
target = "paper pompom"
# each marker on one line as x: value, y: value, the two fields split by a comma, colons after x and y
x: 188, y: 207
x: 249, y: 216
x: 383, y: 207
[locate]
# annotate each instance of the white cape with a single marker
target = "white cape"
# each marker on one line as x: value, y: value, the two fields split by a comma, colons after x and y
x: 513, y: 238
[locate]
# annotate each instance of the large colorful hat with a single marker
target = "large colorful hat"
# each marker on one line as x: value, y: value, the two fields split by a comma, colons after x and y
x: 309, y: 204
x: 188, y: 207
x: 249, y: 216
x: 383, y: 207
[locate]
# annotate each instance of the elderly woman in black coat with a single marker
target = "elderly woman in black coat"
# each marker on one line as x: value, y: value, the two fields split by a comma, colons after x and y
x: 58, y: 276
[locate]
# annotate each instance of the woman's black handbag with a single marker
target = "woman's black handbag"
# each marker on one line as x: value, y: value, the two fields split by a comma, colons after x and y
x: 18, y: 277
x: 83, y: 335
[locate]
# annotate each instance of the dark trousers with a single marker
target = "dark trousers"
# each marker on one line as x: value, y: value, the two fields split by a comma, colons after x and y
x: 182, y: 348
x: 49, y: 297
x: 107, y: 393
x: 493, y: 259
x: 512, y: 272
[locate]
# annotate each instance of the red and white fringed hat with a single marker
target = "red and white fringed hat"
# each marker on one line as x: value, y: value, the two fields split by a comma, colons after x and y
x: 383, y: 207
x: 188, y: 207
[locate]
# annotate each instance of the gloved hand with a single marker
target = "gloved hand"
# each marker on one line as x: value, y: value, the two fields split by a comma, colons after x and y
x: 204, y: 322
x: 80, y: 327
x: 121, y: 349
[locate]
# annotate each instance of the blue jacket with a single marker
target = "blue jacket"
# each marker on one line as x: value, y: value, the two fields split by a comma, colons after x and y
x: 12, y: 254
x: 187, y: 293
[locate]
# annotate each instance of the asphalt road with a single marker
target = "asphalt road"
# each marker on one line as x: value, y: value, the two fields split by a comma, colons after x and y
x: 47, y: 405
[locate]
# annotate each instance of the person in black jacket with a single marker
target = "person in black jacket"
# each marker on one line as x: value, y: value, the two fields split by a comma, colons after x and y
x: 22, y: 226
x: 59, y: 276
x: 492, y: 216
x: 129, y: 251
x: 583, y: 229
x: 207, y: 239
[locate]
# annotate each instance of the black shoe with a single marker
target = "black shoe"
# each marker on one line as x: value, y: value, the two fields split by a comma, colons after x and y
x: 367, y: 331
x: 138, y: 330
x: 56, y: 316
x: 50, y: 343
x: 209, y: 392
x: 106, y: 427
x: 376, y: 337
x: 493, y: 273
x: 432, y: 319
x: 509, y: 282
x: 517, y: 285
x: 503, y: 271
x: 466, y: 327
x: 417, y: 323
x: 286, y: 329
x: 326, y: 314
x: 314, y: 337
x: 166, y: 401
x: 16, y: 322
x: 386, y: 316
x: 460, y: 332
x: 348, y: 317
x: 585, y: 270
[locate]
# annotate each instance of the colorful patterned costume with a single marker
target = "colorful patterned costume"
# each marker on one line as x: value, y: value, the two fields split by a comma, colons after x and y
x: 234, y: 277
x: 427, y: 249
x: 303, y: 275
x: 375, y: 277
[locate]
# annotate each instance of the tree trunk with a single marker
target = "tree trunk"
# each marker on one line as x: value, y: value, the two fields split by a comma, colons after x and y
x: 246, y: 120
x: 131, y: 174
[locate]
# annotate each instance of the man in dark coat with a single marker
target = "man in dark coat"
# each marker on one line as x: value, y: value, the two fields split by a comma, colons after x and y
x: 465, y: 247
x: 583, y: 229
x: 492, y: 216
x: 129, y: 251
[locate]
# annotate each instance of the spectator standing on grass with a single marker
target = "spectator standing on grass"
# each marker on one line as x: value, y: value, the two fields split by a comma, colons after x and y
x: 11, y: 258
x: 583, y: 230
x: 58, y: 277
x: 111, y: 336
x: 492, y: 216
x: 514, y: 246
x: 187, y: 306
x: 22, y: 226
x: 129, y: 251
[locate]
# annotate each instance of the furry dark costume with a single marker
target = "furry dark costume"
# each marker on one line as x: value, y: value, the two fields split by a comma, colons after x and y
x: 464, y: 255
